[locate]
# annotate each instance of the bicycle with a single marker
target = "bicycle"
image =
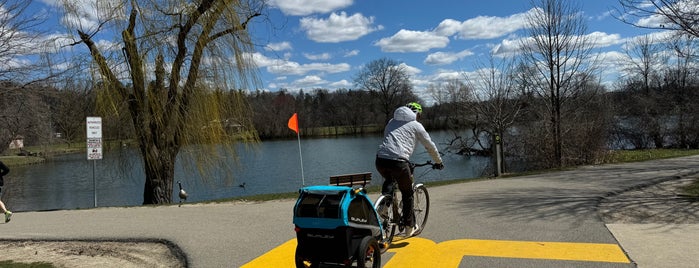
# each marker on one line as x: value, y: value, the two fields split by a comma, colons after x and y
x: 389, y: 208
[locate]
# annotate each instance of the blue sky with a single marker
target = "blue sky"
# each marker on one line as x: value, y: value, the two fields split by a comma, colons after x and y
x: 324, y: 43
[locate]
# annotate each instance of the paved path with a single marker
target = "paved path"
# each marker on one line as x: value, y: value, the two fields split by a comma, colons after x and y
x: 557, y: 207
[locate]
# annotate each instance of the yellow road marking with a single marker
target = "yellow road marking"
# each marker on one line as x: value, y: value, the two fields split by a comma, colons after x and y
x: 281, y: 256
x: 421, y: 252
x: 454, y: 250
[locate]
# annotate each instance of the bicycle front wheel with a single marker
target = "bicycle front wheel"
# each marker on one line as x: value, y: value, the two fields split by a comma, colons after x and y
x: 384, y: 207
x: 421, y: 206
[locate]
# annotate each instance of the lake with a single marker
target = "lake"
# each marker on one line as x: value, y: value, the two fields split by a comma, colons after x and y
x: 66, y: 182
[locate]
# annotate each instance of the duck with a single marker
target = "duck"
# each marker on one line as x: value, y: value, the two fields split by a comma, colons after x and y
x: 182, y: 193
x: 242, y: 186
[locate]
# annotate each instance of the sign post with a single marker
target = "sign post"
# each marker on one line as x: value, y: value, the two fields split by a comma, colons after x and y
x: 94, y: 147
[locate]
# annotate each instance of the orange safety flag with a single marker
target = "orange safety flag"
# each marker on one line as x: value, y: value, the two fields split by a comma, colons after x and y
x: 294, y: 123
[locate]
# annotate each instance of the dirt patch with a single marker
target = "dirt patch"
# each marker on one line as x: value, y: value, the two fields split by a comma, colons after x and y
x: 93, y: 253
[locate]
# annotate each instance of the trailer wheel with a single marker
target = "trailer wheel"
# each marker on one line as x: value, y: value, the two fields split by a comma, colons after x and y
x: 369, y: 253
x: 302, y: 262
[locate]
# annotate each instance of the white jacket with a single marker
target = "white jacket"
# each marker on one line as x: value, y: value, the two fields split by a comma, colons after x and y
x: 401, y: 135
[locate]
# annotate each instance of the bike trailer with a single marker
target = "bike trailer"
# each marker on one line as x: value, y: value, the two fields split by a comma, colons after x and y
x: 331, y: 223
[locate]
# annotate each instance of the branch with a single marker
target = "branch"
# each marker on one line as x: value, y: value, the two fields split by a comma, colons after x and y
x: 243, y: 26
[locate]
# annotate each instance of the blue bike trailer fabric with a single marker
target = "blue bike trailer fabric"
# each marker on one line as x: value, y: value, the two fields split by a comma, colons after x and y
x: 330, y: 207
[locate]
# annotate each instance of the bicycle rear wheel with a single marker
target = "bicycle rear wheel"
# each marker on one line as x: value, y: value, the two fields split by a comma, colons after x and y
x: 384, y: 207
x: 421, y: 206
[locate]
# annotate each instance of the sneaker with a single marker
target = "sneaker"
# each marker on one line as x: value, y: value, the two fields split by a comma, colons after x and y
x: 412, y: 231
x: 8, y: 214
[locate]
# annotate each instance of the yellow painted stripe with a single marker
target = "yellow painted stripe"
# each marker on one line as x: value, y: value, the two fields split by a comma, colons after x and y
x: 281, y: 256
x: 421, y: 252
x: 454, y: 250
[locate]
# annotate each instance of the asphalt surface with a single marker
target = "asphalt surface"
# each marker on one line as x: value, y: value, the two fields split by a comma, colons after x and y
x: 545, y: 208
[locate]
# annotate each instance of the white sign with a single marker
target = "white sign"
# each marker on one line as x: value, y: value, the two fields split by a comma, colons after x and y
x: 94, y: 138
x: 94, y: 127
x: 94, y: 149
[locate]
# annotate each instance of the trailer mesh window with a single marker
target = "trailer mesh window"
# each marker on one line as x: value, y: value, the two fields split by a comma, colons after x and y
x: 319, y: 206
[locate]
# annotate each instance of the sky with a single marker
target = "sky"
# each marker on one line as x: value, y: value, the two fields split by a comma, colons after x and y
x: 314, y: 44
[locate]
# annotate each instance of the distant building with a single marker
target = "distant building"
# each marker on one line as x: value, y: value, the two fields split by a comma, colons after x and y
x: 17, y: 143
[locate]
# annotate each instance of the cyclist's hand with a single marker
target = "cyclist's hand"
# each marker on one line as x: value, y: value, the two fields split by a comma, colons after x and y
x: 439, y: 166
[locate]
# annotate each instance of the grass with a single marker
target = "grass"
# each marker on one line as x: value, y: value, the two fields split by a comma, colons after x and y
x: 15, y: 160
x: 692, y: 190
x: 12, y: 264
x: 625, y: 156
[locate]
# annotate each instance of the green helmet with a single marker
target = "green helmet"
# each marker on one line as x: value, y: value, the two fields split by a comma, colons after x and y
x: 416, y: 107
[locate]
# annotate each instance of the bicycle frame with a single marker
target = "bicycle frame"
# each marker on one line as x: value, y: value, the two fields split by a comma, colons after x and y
x: 393, y: 220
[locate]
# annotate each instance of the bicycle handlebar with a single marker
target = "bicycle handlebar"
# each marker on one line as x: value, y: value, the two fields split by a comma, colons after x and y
x: 429, y: 162
x: 422, y: 164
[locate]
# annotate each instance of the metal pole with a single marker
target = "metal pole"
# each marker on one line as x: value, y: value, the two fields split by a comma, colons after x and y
x: 303, y: 179
x: 94, y: 181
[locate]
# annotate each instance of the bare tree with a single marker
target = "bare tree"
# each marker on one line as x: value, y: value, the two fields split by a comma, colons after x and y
x: 561, y: 53
x: 497, y: 100
x: 171, y: 57
x: 644, y: 60
x: 19, y: 38
x: 679, y: 15
x: 389, y: 80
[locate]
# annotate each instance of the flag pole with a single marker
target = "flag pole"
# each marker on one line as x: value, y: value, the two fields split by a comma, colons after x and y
x: 294, y: 125
x: 303, y: 179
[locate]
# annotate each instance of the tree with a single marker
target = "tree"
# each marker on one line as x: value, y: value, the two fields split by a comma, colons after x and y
x: 643, y: 60
x: 678, y: 15
x: 171, y: 58
x: 18, y: 38
x: 561, y: 53
x: 389, y: 80
x: 497, y: 100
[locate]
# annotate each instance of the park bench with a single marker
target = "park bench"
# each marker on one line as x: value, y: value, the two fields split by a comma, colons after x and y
x: 351, y: 179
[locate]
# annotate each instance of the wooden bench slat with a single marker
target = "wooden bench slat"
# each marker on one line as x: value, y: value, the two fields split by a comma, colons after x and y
x: 351, y: 179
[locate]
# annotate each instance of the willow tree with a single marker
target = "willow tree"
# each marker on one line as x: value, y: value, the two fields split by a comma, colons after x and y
x: 171, y: 65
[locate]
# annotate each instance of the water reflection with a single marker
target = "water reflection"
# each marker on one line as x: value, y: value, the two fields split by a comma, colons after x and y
x: 270, y: 167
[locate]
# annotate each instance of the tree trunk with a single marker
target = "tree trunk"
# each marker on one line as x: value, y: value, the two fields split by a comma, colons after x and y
x: 160, y: 175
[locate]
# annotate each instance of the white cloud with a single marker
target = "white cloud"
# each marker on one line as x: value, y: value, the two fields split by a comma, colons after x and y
x: 410, y: 70
x: 309, y: 81
x: 281, y: 46
x: 483, y: 27
x: 341, y: 84
x: 508, y: 47
x: 105, y: 45
x: 322, y: 56
x: 601, y: 39
x: 88, y: 14
x: 443, y: 58
x: 338, y: 27
x: 447, y: 75
x: 412, y: 41
x: 351, y: 53
x: 307, y: 7
x: 285, y: 67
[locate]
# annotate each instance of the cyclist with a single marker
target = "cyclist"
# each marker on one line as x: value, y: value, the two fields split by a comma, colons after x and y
x: 401, y: 135
x: 3, y: 171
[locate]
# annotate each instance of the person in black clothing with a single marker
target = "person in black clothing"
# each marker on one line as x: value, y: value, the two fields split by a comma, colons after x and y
x: 3, y: 171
